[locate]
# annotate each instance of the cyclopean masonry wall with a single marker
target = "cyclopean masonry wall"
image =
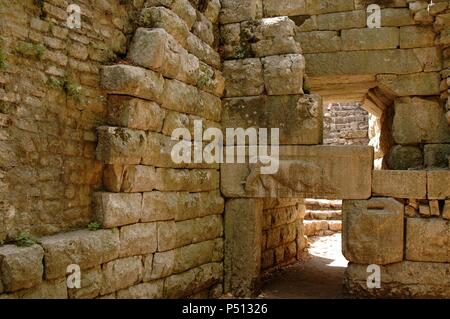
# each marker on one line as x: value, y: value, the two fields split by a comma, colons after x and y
x: 73, y: 156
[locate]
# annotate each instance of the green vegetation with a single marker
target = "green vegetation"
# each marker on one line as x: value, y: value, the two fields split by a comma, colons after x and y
x: 24, y: 240
x: 30, y: 50
x: 94, y: 226
x: 72, y: 90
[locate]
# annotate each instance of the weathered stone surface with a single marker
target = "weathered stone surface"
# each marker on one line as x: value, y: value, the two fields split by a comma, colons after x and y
x: 172, y: 235
x: 151, y: 290
x: 319, y: 41
x: 177, y: 180
x: 394, y: 17
x: 284, y: 74
x: 412, y: 279
x: 305, y: 172
x: 134, y: 113
x: 133, y: 81
x: 274, y: 8
x: 299, y: 118
x: 181, y: 7
x: 446, y: 212
x: 117, y: 145
x: 400, y: 184
x: 212, y: 10
x: 373, y: 231
x: 430, y: 58
x: 193, y: 280
x: 370, y: 39
x: 85, y: 248
x: 326, y: 6
x: 91, y: 283
x: 187, y: 257
x: 424, y: 210
x: 243, y: 77
x: 50, y: 289
x: 238, y: 10
x: 434, y: 208
x: 439, y: 184
x: 405, y: 157
x: 159, y: 206
x: 204, y: 29
x: 121, y: 273
x: 362, y: 62
x: 20, y: 267
x: 138, y: 239
x: 426, y: 124
x: 175, y: 120
x: 341, y: 20
x: 243, y: 253
x: 427, y: 240
x: 129, y: 178
x: 436, y: 155
x: 416, y: 37
x: 410, y: 84
x: 117, y: 209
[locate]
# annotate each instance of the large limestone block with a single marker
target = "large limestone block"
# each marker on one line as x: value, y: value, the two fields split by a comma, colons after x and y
x: 49, y: 289
x: 84, y: 248
x: 239, y: 10
x: 243, y: 239
x: 172, y: 235
x: 133, y: 81
x: 121, y: 273
x: 243, y: 77
x: 395, y: 17
x: 160, y: 17
x: 407, y: 278
x: 138, y: 239
x: 204, y: 29
x: 326, y: 6
x: 159, y: 206
x: 284, y: 74
x: 411, y: 84
x: 203, y: 51
x: 134, y: 113
x: 192, y: 281
x: 363, y: 62
x: 178, y: 180
x: 117, y: 209
x: 373, y: 231
x: 427, y: 239
x: 405, y: 157
x: 332, y: 172
x: 298, y: 118
x: 175, y: 120
x: 117, y: 145
x: 419, y: 120
x: 400, y: 184
x: 342, y: 20
x: 436, y: 155
x: 150, y: 290
x: 273, y: 8
x: 182, y: 8
x: 416, y: 37
x: 439, y: 184
x: 129, y: 178
x: 319, y: 41
x: 20, y: 267
x: 370, y: 39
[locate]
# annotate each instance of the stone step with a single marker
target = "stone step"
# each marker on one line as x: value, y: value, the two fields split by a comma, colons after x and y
x: 323, y: 214
x: 323, y: 204
x: 322, y: 227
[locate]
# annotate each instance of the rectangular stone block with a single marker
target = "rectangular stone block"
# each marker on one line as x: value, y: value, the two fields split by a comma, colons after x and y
x: 177, y: 180
x: 159, y: 206
x: 151, y: 290
x: 373, y: 231
x: 370, y: 39
x: 410, y: 84
x: 439, y: 184
x: 238, y: 10
x: 134, y: 113
x: 83, y: 247
x: 284, y: 74
x: 298, y: 118
x: 20, y: 267
x: 342, y: 20
x: 175, y: 120
x: 319, y: 41
x: 121, y: 273
x: 427, y: 240
x: 400, y: 184
x: 243, y: 77
x: 331, y: 172
x: 326, y: 6
x: 426, y: 124
x: 138, y: 239
x: 436, y: 155
x: 416, y: 37
x: 117, y: 145
x: 273, y: 8
x: 117, y: 209
x: 133, y: 81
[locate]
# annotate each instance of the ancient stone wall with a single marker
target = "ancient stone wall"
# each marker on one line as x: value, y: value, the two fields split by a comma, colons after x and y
x: 283, y: 238
x: 345, y: 124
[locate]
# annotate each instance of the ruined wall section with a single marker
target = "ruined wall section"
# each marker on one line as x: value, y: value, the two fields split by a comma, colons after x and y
x: 50, y: 105
x: 283, y: 238
x: 156, y: 226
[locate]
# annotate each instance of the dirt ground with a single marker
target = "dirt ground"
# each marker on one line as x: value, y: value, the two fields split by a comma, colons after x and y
x: 319, y: 276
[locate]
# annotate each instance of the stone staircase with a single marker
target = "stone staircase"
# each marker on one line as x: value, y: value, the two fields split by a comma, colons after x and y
x: 323, y: 217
